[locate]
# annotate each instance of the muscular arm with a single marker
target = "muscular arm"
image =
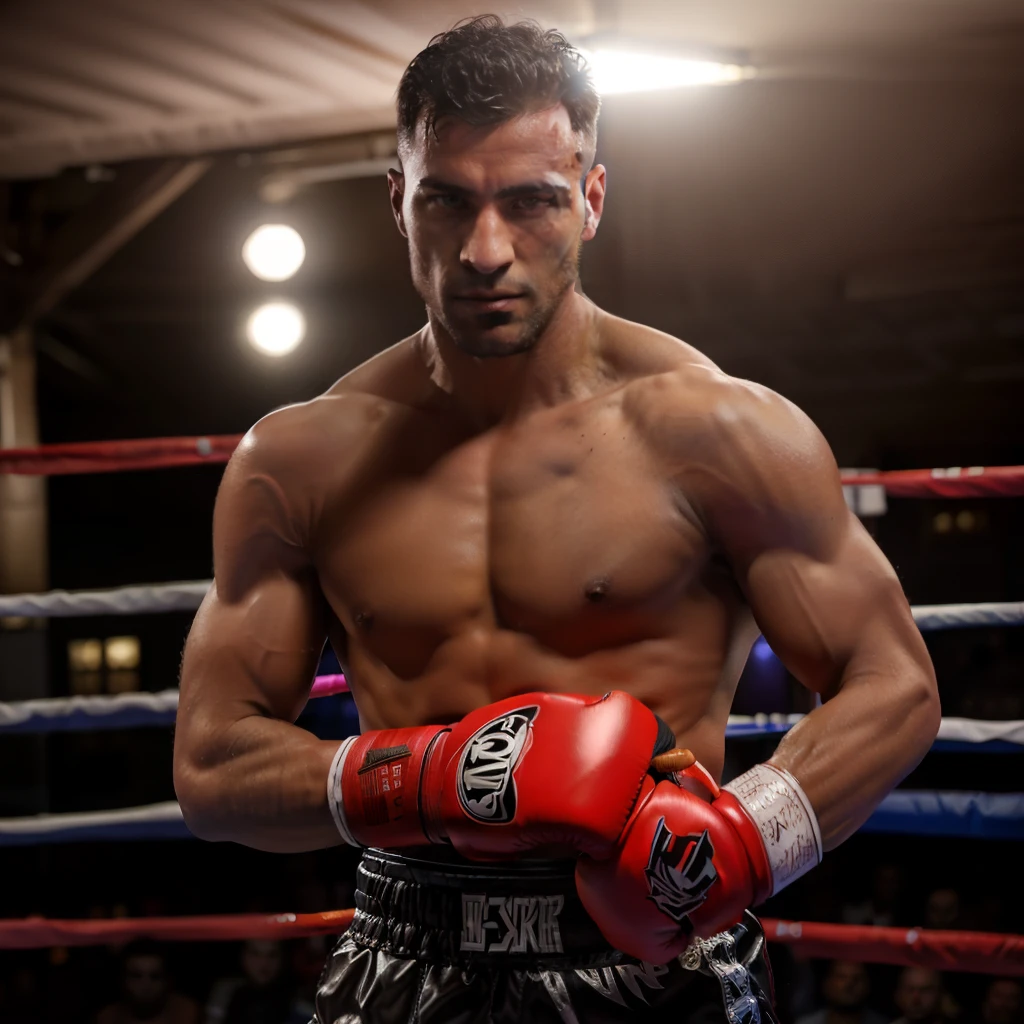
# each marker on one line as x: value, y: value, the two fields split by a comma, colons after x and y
x: 827, y: 601
x: 242, y: 770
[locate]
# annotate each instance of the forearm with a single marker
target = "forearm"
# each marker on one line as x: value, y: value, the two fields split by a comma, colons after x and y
x: 849, y: 753
x: 262, y: 783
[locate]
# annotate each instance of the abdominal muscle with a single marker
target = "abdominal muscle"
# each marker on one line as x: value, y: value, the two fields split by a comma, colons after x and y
x: 688, y: 682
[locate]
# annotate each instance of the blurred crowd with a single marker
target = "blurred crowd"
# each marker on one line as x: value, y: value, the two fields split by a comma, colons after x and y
x: 269, y: 982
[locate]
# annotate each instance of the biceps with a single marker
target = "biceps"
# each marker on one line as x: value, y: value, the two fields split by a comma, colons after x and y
x: 820, y: 613
x: 257, y: 653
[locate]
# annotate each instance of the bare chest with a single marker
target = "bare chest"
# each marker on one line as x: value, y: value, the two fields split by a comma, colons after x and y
x: 563, y: 529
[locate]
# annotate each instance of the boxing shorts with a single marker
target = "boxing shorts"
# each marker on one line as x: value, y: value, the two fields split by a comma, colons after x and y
x: 449, y: 941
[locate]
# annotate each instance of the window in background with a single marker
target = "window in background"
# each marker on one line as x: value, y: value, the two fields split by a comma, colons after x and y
x: 121, y: 655
x: 110, y: 665
x: 85, y: 665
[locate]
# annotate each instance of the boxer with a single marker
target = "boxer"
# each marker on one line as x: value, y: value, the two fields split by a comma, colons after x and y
x: 541, y: 541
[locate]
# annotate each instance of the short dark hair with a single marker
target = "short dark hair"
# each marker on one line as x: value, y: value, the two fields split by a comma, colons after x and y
x: 484, y: 72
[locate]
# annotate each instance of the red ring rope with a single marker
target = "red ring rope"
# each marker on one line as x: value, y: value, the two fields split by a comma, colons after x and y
x: 41, y: 932
x: 162, y: 452
x: 982, y: 952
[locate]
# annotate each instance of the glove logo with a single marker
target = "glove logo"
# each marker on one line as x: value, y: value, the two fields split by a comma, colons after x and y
x: 679, y: 871
x: 487, y: 791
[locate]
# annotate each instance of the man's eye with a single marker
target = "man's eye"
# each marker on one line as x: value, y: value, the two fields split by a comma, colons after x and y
x: 445, y: 200
x: 528, y: 203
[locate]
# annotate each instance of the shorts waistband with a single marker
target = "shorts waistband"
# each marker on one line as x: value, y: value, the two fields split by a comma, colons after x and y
x: 525, y: 914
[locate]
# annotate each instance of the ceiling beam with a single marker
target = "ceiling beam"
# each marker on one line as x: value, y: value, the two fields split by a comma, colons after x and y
x: 82, y: 245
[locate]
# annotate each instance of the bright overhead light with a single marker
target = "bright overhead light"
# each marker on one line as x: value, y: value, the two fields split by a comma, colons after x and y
x: 617, y: 71
x: 273, y: 252
x: 276, y: 328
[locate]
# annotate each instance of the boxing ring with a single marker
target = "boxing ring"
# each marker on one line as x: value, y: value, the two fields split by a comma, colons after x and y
x: 913, y: 812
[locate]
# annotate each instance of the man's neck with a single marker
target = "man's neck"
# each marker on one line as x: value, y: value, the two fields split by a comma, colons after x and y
x: 561, y: 365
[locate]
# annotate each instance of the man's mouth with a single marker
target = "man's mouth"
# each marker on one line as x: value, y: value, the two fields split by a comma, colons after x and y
x: 482, y: 301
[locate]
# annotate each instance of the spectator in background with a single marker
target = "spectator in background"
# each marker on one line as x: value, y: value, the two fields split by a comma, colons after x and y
x: 308, y: 956
x: 20, y: 997
x: 919, y: 996
x: 845, y: 991
x: 146, y: 991
x: 1003, y: 1002
x: 881, y: 907
x: 942, y: 909
x: 263, y: 995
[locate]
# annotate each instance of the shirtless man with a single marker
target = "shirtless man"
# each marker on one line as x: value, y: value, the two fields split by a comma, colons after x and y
x: 541, y: 541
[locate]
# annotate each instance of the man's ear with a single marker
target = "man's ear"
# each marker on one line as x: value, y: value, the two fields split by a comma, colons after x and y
x: 593, y: 197
x: 396, y: 187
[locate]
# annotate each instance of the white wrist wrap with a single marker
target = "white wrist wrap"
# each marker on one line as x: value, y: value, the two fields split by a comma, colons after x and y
x: 785, y: 819
x: 334, y: 791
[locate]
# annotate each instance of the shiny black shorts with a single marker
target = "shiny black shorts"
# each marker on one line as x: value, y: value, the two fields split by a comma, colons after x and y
x: 452, y: 942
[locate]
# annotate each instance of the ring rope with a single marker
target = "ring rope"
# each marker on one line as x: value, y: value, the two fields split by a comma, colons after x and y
x: 187, y: 595
x: 931, y: 618
x: 41, y: 932
x: 151, y: 821
x: 76, y: 714
x: 136, y: 710
x: 981, y: 952
x: 161, y: 452
x: 903, y: 812
x: 145, y: 599
x: 107, y: 456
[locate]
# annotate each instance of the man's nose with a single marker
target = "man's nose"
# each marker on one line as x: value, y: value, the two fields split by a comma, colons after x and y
x: 488, y: 248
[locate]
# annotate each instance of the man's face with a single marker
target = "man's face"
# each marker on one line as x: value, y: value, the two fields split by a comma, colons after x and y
x: 145, y: 985
x: 261, y: 961
x: 887, y: 884
x: 495, y: 217
x: 919, y: 993
x: 846, y: 985
x: 943, y: 909
x: 1002, y: 1003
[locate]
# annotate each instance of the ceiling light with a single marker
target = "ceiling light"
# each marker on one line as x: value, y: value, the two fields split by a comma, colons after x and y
x: 273, y: 252
x: 618, y: 71
x: 276, y: 328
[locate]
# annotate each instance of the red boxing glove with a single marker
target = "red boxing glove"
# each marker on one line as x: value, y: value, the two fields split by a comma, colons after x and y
x: 543, y: 773
x: 693, y: 857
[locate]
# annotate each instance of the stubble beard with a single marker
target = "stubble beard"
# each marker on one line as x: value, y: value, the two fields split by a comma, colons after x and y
x: 482, y: 346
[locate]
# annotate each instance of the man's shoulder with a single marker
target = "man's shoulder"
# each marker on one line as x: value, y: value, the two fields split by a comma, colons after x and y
x: 696, y: 409
x: 343, y: 420
x: 673, y: 385
x: 320, y: 422
x: 634, y: 351
x: 720, y: 436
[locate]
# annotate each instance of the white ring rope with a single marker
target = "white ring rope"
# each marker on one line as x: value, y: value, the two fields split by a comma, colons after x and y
x: 916, y: 812
x: 187, y: 596
x: 141, y: 600
x: 82, y: 822
x: 930, y: 617
x: 951, y: 730
x: 139, y: 709
x: 158, y: 706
